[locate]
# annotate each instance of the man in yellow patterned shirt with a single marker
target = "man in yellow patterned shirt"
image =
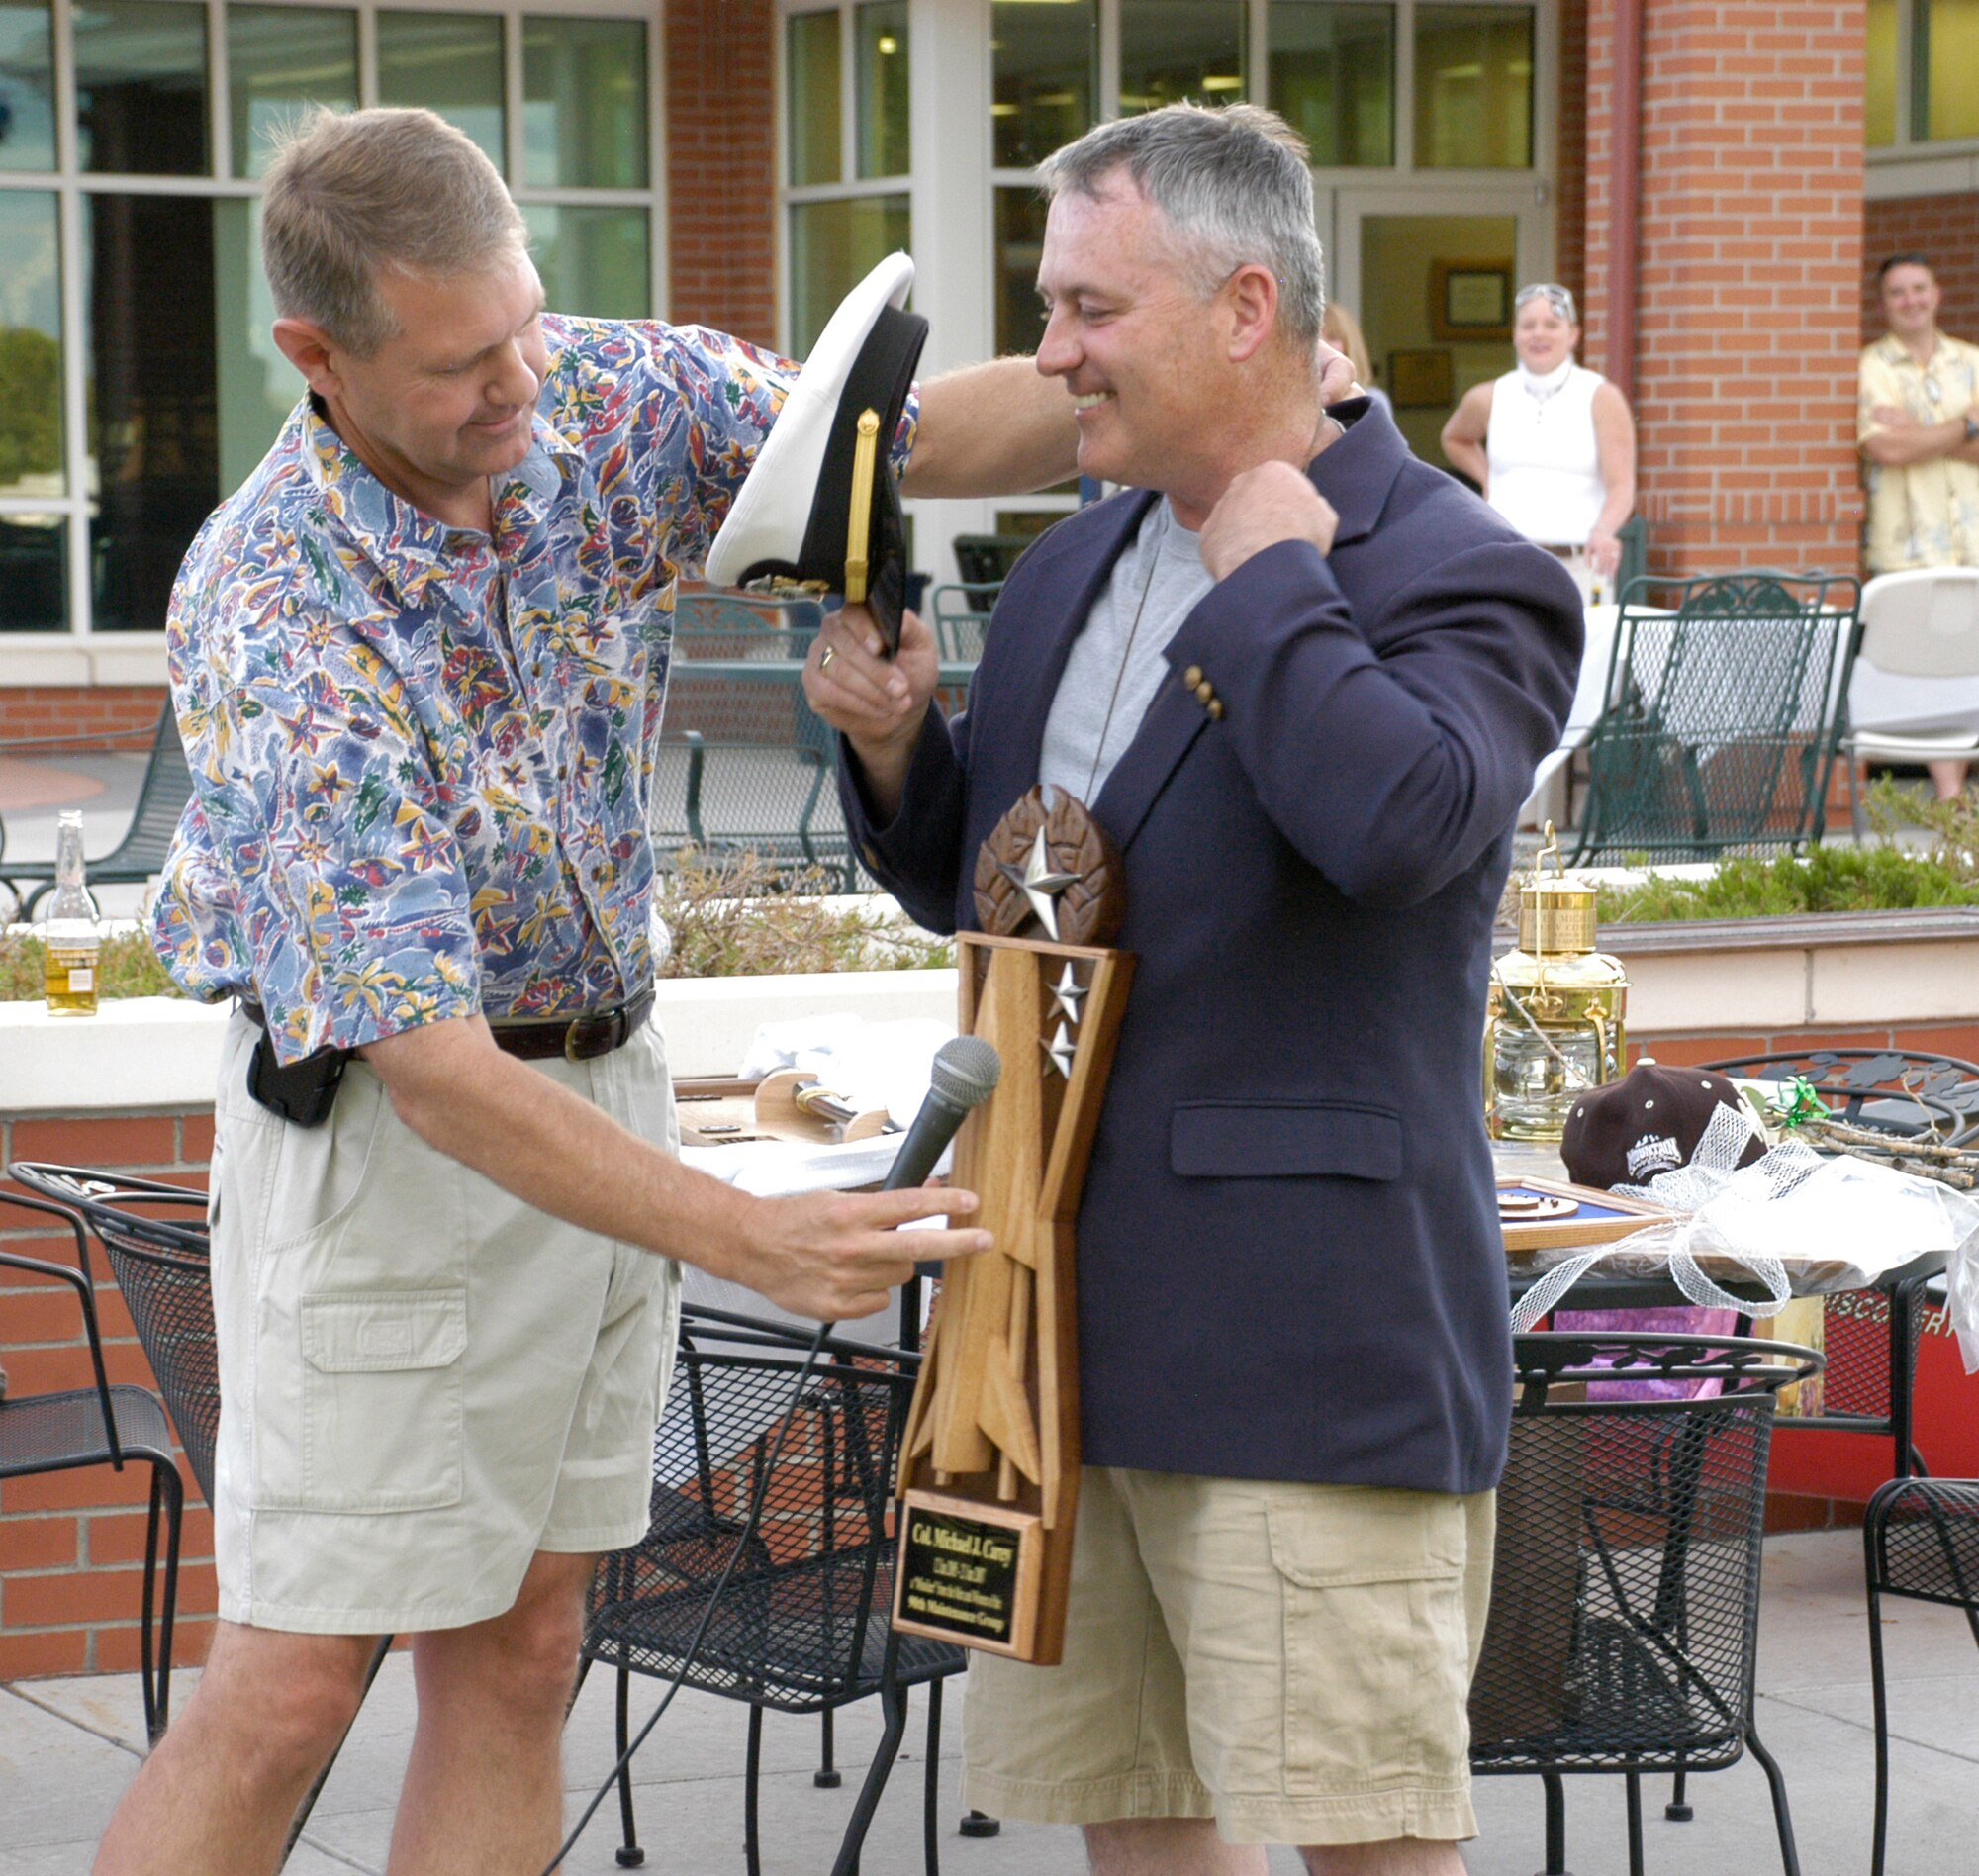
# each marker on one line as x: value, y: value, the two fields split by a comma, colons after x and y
x: 1917, y: 424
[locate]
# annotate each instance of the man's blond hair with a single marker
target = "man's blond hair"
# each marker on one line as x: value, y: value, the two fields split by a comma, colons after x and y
x: 354, y: 193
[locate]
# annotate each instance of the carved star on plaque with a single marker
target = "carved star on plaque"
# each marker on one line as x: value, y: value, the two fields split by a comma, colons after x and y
x: 1059, y: 1051
x: 1066, y: 993
x: 1040, y: 885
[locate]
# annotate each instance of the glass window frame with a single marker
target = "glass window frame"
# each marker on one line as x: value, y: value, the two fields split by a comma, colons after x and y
x: 72, y: 185
x: 849, y: 184
x: 1913, y: 141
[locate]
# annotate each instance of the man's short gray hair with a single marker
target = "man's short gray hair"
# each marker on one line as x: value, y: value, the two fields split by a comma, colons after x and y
x: 350, y: 194
x: 1233, y: 182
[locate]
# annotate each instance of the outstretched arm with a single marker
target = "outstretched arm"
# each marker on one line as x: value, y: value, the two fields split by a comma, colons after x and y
x: 829, y: 1255
x: 1463, y: 436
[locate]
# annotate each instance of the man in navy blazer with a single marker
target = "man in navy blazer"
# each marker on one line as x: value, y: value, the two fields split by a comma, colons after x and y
x: 1326, y: 672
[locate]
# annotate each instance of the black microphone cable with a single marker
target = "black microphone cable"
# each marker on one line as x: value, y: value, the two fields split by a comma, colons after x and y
x: 965, y: 1074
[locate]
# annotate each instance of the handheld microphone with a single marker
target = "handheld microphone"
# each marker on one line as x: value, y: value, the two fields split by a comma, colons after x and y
x: 966, y: 1073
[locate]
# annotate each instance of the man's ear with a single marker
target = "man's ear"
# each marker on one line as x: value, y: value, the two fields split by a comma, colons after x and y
x: 1253, y: 296
x: 312, y: 353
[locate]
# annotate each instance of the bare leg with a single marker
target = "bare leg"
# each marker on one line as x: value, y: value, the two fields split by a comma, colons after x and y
x: 1405, y: 1856
x: 1168, y: 1846
x: 484, y: 1790
x: 1948, y: 778
x: 220, y: 1789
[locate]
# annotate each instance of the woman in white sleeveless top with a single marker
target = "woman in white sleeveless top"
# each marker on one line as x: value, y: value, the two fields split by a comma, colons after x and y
x: 1551, y: 444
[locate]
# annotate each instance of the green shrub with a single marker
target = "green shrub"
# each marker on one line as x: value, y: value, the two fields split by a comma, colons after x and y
x: 730, y: 915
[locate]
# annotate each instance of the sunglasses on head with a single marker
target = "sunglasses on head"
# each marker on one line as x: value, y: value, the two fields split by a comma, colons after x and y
x: 1557, y: 297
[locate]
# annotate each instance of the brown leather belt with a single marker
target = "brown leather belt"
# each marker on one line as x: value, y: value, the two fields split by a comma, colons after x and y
x: 582, y: 1037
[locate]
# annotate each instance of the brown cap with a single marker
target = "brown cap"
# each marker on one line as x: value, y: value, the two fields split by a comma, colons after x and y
x: 1646, y: 1123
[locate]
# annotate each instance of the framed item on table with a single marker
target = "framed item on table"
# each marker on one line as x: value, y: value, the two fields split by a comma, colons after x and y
x: 1470, y: 300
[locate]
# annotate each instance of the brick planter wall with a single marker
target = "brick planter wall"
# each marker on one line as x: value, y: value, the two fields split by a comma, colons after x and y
x: 78, y: 709
x: 72, y: 1543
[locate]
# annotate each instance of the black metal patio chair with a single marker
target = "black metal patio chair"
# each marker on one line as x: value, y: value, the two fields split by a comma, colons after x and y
x: 104, y: 1424
x: 804, y: 1625
x: 1624, y: 1621
x: 1920, y: 1539
x: 161, y: 800
x: 1723, y: 717
x: 745, y: 765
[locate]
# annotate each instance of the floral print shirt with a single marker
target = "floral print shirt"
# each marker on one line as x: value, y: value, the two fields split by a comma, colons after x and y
x: 421, y: 755
x: 1921, y: 514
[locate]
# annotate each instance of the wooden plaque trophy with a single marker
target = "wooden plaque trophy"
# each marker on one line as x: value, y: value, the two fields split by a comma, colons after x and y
x: 989, y: 1462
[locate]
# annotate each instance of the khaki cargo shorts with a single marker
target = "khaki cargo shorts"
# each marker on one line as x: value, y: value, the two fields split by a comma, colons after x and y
x: 424, y: 1380
x: 1292, y: 1661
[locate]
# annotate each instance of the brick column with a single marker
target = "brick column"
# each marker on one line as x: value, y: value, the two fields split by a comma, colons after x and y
x: 722, y: 166
x: 1749, y: 262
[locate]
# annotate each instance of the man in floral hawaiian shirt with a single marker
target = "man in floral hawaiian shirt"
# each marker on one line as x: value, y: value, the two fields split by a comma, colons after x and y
x: 420, y: 661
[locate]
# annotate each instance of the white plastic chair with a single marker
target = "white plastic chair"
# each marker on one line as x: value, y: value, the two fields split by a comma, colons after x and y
x: 1915, y: 692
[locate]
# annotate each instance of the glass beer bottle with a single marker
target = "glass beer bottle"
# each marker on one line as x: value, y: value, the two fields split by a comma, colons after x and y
x: 69, y: 936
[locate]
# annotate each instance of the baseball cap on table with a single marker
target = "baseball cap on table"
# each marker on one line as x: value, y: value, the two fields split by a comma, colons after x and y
x: 1648, y: 1122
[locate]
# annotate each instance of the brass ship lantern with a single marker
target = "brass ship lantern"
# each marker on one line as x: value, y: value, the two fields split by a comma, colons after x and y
x: 1553, y: 1026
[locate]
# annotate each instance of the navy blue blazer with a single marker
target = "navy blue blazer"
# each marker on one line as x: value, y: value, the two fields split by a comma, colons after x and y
x: 1288, y: 1257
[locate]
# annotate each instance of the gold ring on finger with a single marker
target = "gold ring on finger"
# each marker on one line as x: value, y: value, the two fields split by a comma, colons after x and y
x: 830, y: 652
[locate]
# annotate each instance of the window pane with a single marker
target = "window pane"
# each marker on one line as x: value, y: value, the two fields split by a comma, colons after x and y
x: 1020, y: 246
x: 1333, y: 80
x: 1952, y: 57
x: 31, y: 439
x: 1172, y: 49
x: 811, y: 81
x: 1048, y: 62
x: 1879, y: 104
x: 280, y: 60
x: 882, y: 31
x: 140, y: 87
x: 1046, y: 72
x: 258, y: 387
x: 584, y: 104
x: 27, y: 86
x: 594, y: 261
x: 33, y: 573
x: 449, y: 62
x: 153, y: 431
x: 833, y: 246
x: 1474, y: 87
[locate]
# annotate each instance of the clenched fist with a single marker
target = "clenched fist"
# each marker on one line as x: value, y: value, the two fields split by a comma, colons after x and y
x: 1261, y: 508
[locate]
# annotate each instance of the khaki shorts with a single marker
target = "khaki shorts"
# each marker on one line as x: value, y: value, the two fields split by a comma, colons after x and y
x: 1292, y: 1661
x: 424, y: 1380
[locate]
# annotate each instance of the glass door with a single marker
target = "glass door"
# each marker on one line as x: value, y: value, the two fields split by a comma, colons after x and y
x: 1430, y: 275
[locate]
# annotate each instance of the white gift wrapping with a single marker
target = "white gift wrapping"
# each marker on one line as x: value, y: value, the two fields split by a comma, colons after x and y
x: 1792, y: 1219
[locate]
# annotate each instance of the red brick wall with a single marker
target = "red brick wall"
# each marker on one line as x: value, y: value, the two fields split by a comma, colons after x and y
x: 1570, y: 198
x: 1749, y: 194
x: 72, y: 1543
x: 1944, y: 227
x: 722, y: 166
x: 73, y: 710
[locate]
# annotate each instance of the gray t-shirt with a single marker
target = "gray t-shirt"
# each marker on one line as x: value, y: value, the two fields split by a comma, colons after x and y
x: 1116, y: 663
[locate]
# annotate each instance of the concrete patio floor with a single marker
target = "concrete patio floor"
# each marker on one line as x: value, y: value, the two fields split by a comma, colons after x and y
x: 68, y: 1747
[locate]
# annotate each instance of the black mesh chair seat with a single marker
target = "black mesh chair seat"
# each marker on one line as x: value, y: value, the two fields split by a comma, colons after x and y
x: 47, y: 1433
x: 1921, y: 1540
x: 1626, y: 1579
x: 802, y: 1623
